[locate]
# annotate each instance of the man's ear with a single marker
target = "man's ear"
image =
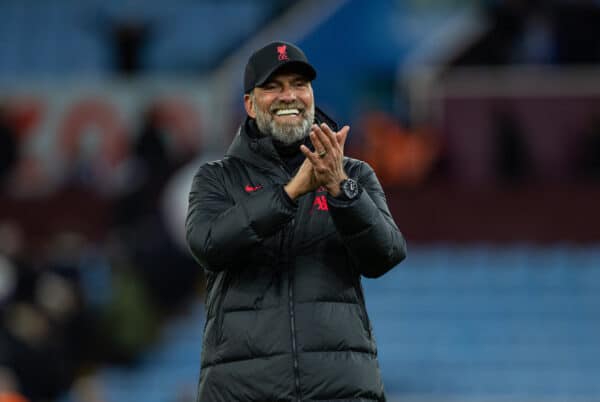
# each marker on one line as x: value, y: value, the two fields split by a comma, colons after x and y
x: 249, y: 105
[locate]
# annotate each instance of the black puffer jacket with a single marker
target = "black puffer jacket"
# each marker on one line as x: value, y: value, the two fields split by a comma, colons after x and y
x: 286, y: 318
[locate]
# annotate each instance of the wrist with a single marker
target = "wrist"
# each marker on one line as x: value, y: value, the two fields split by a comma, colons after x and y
x: 291, y: 191
x: 349, y: 190
x: 335, y: 188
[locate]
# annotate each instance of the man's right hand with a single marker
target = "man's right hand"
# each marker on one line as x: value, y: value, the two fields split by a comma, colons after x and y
x: 303, y: 182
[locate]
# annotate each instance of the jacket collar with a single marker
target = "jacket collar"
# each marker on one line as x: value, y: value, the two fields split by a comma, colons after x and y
x: 253, y: 149
x: 259, y: 150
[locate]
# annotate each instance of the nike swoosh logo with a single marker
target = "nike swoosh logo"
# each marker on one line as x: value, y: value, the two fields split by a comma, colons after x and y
x: 250, y: 188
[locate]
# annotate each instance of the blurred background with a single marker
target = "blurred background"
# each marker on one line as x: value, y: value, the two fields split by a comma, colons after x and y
x: 481, y: 118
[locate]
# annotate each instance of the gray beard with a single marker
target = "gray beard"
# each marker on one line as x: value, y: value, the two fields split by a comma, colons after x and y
x: 285, y: 133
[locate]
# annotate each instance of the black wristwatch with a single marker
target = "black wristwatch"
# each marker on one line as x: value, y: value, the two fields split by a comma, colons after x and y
x: 349, y: 189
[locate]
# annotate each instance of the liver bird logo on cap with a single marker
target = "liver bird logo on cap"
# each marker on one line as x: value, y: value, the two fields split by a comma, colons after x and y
x: 282, y: 52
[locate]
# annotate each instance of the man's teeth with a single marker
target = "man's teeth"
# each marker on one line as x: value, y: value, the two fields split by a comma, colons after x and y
x: 286, y: 112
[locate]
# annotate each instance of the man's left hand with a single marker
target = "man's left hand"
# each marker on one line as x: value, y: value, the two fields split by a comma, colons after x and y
x: 328, y: 157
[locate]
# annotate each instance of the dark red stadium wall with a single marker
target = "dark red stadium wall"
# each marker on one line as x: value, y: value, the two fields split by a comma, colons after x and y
x: 534, y: 213
x: 442, y: 212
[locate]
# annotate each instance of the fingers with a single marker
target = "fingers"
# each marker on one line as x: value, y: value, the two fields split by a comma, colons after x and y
x: 303, y: 181
x: 305, y: 150
x: 326, y: 141
x: 323, y: 138
x: 330, y: 134
x: 342, y: 135
x: 311, y: 156
x: 317, y: 144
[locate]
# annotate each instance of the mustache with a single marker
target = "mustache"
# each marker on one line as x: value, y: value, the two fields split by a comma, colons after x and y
x: 288, y: 105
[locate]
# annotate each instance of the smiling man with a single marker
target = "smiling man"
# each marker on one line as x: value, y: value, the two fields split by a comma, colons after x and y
x: 286, y: 115
x: 285, y: 226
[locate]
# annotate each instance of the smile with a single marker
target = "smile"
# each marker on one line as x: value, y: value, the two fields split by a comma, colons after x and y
x: 287, y: 112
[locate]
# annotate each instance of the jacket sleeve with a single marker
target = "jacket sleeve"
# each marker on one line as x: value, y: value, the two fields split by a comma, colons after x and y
x: 218, y: 228
x: 367, y: 227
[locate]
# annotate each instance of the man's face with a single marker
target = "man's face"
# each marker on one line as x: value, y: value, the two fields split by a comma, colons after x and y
x: 283, y: 107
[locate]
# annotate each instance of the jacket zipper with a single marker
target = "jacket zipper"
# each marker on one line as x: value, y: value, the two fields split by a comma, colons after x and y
x: 287, y: 246
x: 292, y: 315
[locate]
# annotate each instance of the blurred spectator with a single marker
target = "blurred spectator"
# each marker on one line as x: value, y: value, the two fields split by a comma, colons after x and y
x: 129, y: 40
x: 152, y: 166
x: 11, y: 240
x: 588, y: 163
x: 34, y: 350
x: 536, y: 44
x: 126, y: 39
x: 399, y: 156
x: 170, y: 273
x: 506, y: 20
x: 38, y: 337
x: 151, y: 147
x: 578, y: 32
x: 511, y: 156
x: 9, y: 391
x: 129, y: 323
x: 8, y: 147
x: 60, y: 293
x: 148, y: 246
x: 12, y: 397
x: 88, y: 389
x: 538, y: 32
x: 49, y: 328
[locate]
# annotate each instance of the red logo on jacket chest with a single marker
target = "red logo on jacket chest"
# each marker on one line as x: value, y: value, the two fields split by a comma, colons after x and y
x: 320, y: 204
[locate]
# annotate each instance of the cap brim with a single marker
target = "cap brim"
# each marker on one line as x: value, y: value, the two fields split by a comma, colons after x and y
x: 297, y: 66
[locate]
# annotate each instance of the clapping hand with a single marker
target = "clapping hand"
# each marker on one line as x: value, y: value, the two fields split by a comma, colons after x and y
x: 328, y: 157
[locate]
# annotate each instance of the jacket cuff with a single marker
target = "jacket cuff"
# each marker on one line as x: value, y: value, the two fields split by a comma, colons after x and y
x: 285, y: 196
x: 353, y: 216
x: 341, y: 201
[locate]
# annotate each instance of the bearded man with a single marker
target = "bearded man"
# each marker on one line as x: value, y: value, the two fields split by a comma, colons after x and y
x: 284, y: 226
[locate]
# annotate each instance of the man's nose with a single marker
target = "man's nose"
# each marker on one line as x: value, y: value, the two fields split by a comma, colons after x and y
x: 288, y: 94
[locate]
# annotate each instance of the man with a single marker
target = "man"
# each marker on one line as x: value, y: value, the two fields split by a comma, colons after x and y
x: 284, y: 226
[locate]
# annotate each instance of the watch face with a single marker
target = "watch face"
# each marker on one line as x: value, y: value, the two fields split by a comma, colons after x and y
x: 350, y: 188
